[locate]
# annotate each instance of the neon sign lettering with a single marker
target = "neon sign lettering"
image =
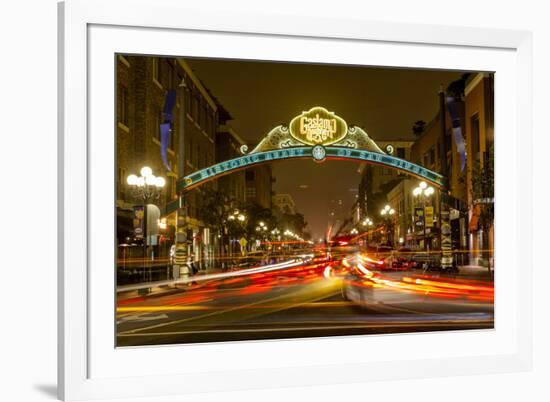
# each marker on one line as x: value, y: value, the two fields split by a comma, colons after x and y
x: 318, y: 126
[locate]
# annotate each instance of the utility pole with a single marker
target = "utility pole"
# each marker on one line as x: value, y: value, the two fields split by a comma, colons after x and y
x: 444, y: 218
x: 180, y: 258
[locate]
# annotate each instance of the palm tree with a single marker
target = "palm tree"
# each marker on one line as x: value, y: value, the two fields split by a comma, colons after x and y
x: 418, y: 127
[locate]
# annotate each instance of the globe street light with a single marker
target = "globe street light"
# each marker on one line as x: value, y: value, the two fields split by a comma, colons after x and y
x: 367, y: 222
x: 148, y: 188
x: 239, y: 216
x: 386, y: 213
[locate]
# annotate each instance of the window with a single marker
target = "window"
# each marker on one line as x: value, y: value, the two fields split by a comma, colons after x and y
x: 172, y: 142
x: 204, y: 117
x: 121, y: 182
x: 432, y: 155
x: 189, y: 153
x: 474, y: 122
x: 401, y: 153
x: 196, y: 154
x: 208, y: 122
x: 187, y: 101
x: 123, y: 105
x: 195, y: 108
x: 171, y: 187
x: 200, y: 119
x: 251, y: 192
x: 157, y: 121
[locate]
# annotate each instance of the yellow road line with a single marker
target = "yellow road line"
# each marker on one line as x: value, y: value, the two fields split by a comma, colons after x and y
x: 328, y: 327
x: 214, y: 313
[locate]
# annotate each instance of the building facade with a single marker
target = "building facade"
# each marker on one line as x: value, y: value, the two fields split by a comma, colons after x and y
x: 142, y: 87
x: 479, y: 116
x: 400, y: 198
x: 259, y: 182
x: 376, y: 181
x: 427, y: 151
x: 228, y: 146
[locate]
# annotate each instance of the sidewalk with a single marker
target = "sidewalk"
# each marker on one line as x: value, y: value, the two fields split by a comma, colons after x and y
x: 476, y: 272
x: 168, y: 287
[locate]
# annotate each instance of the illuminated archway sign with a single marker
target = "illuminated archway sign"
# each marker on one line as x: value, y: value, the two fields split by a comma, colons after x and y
x: 317, y: 134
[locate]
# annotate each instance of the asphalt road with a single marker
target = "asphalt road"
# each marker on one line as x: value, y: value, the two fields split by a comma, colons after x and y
x: 300, y: 301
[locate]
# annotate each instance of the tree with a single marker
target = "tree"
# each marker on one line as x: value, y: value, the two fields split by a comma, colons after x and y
x: 483, y: 192
x: 294, y: 222
x: 256, y: 214
x: 418, y: 127
x: 456, y: 88
x: 215, y: 208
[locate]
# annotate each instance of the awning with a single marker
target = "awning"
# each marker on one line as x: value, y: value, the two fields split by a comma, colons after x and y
x: 474, y: 220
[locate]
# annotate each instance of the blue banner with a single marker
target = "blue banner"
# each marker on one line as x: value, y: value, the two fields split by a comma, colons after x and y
x: 454, y: 112
x: 164, y: 141
x: 166, y: 126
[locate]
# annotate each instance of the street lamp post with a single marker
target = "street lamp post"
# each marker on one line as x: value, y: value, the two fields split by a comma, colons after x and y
x: 423, y: 192
x: 236, y: 216
x: 367, y: 222
x: 387, y: 214
x: 147, y: 187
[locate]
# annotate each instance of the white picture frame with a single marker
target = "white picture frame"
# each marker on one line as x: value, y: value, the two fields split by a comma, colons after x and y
x: 91, y: 32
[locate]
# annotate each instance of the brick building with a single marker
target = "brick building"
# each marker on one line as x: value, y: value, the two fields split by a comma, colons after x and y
x: 376, y: 181
x: 142, y: 86
x: 228, y: 145
x: 427, y: 151
x: 259, y: 183
x: 479, y: 116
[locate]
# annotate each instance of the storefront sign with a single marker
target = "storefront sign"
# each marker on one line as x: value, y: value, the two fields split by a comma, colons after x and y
x: 429, y: 213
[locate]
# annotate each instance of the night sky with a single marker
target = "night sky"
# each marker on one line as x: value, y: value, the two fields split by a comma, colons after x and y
x: 262, y: 95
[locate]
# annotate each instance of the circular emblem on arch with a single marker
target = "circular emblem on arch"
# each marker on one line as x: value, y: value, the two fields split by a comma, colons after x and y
x: 318, y: 126
x: 319, y: 153
x: 390, y: 149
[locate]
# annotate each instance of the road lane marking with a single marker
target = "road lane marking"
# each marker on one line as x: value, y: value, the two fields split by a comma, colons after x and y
x: 203, y: 307
x: 316, y: 328
x: 141, y: 318
x: 214, y: 313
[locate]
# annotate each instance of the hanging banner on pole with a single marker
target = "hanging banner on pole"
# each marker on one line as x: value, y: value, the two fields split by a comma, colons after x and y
x: 139, y: 221
x: 454, y: 112
x: 446, y: 242
x: 429, y: 216
x: 419, y: 217
x: 166, y: 125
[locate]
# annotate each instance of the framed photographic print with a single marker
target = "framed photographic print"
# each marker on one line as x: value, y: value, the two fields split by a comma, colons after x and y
x: 248, y: 201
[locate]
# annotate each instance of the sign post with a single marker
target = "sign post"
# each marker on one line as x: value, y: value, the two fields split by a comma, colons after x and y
x: 446, y: 243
